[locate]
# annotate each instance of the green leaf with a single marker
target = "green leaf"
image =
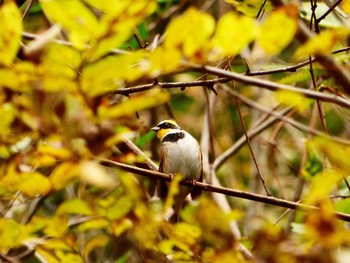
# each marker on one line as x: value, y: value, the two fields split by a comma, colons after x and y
x: 10, y: 31
x: 144, y: 139
x: 343, y: 206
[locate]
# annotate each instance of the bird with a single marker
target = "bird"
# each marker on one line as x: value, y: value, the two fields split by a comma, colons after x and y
x: 180, y: 153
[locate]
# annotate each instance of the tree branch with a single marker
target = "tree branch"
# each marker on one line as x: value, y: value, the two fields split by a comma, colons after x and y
x: 339, y: 74
x: 272, y: 85
x: 222, y: 190
x: 282, y: 118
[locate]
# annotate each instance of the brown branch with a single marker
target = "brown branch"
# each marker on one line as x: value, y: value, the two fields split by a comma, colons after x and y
x: 249, y: 144
x: 170, y: 85
x: 220, y: 160
x: 222, y: 190
x: 28, y: 7
x: 247, y: 80
x: 331, y: 8
x: 339, y: 74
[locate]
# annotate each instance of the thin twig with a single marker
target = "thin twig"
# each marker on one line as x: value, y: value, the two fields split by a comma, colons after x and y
x: 223, y: 190
x: 291, y: 122
x: 249, y: 145
x: 334, y: 5
x: 28, y: 7
x: 220, y: 160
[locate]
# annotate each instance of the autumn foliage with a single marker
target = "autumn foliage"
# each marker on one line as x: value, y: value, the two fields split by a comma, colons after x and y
x: 263, y: 86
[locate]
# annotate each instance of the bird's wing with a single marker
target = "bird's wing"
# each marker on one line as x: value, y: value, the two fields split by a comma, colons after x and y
x: 196, y: 192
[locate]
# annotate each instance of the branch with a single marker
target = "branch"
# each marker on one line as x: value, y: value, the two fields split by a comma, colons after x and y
x: 282, y: 118
x: 334, y: 5
x: 251, y: 133
x: 272, y: 85
x: 169, y: 85
x: 222, y: 190
x: 339, y: 74
x: 257, y: 167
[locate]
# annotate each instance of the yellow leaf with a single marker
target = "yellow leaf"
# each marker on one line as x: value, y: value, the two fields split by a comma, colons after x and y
x: 58, y: 68
x: 74, y: 206
x: 98, y: 223
x: 278, y: 30
x: 8, y: 113
x: 93, y: 173
x: 346, y: 6
x: 74, y: 16
x: 10, y: 31
x: 190, y: 33
x: 111, y: 73
x: 46, y: 255
x: 117, y: 23
x: 293, y: 99
x: 130, y: 106
x: 337, y: 154
x: 322, y: 44
x: 185, y: 235
x: 95, y: 242
x: 64, y: 174
x: 120, y: 226
x: 33, y: 184
x: 322, y: 186
x: 69, y: 257
x: 121, y: 207
x: 56, y: 151
x: 174, y: 189
x: 250, y: 8
x: 9, y: 232
x: 162, y: 61
x: 233, y: 33
x: 18, y: 77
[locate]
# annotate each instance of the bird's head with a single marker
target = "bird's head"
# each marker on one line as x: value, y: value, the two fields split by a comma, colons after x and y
x: 164, y: 127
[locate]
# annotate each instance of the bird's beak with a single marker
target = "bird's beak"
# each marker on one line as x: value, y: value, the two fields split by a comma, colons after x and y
x: 155, y: 129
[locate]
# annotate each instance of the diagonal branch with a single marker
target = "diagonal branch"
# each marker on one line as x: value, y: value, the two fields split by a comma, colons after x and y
x: 272, y: 85
x: 282, y: 118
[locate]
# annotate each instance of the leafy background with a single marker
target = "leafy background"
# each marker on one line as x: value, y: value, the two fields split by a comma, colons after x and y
x: 263, y: 85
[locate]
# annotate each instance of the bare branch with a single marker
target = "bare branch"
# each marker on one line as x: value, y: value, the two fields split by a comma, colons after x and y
x: 272, y: 85
x: 249, y: 145
x: 339, y: 74
x: 222, y: 190
x: 291, y: 122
